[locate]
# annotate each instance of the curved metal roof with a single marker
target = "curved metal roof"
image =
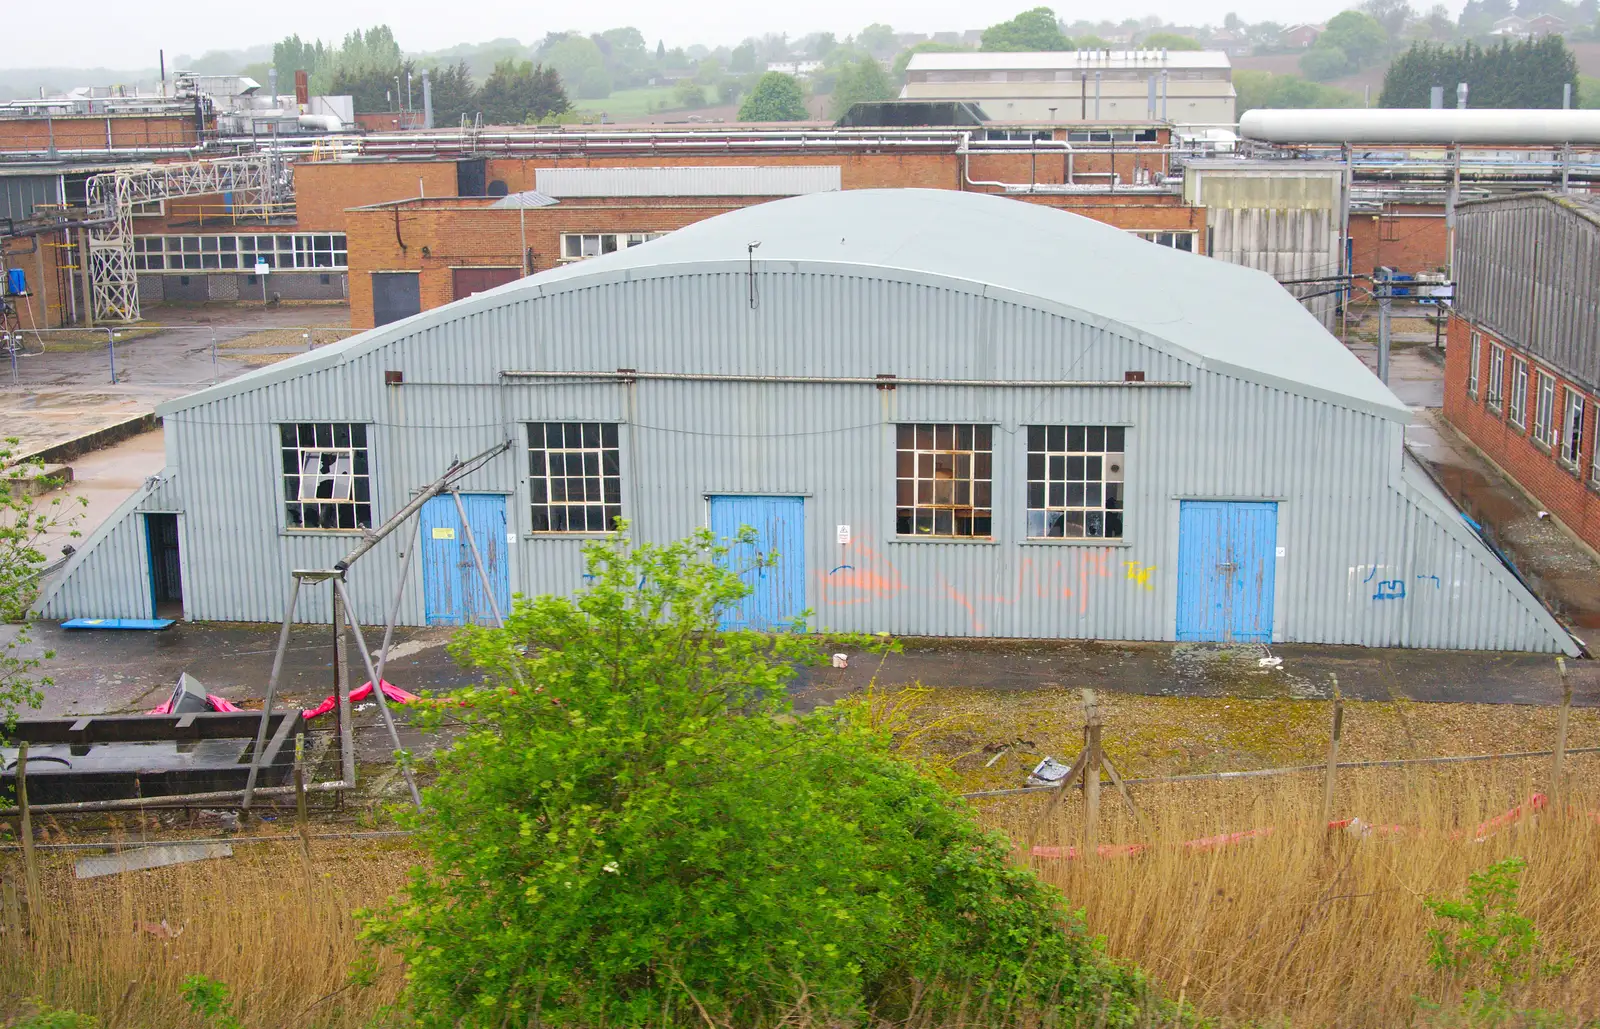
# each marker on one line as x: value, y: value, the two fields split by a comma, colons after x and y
x: 1222, y: 316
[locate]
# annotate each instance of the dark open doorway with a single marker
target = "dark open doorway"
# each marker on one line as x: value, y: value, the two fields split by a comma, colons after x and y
x: 166, y: 578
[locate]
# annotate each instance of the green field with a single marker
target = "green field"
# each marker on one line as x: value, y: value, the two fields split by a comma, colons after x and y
x: 629, y: 104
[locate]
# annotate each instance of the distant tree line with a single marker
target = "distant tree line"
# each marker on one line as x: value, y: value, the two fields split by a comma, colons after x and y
x: 1527, y: 73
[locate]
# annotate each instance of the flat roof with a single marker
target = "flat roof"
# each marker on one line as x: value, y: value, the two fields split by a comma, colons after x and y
x: 1067, y: 60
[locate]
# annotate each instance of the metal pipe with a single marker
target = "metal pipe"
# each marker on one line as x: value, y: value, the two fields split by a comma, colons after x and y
x: 886, y: 382
x: 341, y: 689
x: 180, y: 799
x: 272, y: 690
x: 377, y: 691
x: 415, y: 504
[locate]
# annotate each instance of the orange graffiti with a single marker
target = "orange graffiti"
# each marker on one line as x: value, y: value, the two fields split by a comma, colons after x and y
x: 865, y: 576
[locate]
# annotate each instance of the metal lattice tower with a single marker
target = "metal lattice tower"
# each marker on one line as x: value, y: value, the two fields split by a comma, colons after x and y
x: 252, y: 181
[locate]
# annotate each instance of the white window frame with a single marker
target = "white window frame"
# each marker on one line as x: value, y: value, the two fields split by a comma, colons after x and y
x: 316, y: 456
x: 1472, y: 369
x: 580, y: 246
x: 1170, y: 238
x: 1517, y: 404
x: 1544, y: 407
x: 1574, y: 412
x: 590, y: 458
x: 1494, y: 392
x: 240, y: 252
x: 1097, y: 510
x: 149, y: 208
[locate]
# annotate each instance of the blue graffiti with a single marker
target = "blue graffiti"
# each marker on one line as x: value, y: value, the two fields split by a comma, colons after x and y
x: 1435, y: 579
x: 842, y: 568
x: 1390, y: 589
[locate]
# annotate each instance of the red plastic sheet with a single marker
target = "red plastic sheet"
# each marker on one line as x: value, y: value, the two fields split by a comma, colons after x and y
x: 357, y: 695
x: 217, y: 704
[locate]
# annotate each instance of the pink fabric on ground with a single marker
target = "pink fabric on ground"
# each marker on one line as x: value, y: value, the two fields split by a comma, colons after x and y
x: 360, y: 693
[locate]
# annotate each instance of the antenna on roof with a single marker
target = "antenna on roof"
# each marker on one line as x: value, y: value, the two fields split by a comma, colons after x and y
x: 750, y: 254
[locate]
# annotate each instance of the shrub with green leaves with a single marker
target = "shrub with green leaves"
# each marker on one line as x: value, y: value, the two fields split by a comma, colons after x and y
x: 634, y: 829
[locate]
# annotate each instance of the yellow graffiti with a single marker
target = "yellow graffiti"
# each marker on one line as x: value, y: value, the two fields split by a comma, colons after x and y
x: 1140, y: 573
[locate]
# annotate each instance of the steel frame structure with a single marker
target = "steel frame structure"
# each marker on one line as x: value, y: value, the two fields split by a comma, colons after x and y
x: 251, y: 181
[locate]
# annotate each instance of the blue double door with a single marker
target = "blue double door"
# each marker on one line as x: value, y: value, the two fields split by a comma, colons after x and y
x: 774, y: 565
x: 1227, y: 556
x: 452, y: 588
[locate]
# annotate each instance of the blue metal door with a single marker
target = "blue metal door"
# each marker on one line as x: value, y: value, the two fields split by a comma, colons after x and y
x: 777, y: 592
x: 1227, y: 554
x: 452, y: 591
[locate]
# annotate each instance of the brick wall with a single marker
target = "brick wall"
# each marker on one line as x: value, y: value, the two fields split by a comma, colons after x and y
x: 90, y: 132
x: 45, y: 309
x: 1563, y: 490
x: 325, y: 190
x: 434, y: 237
x: 1409, y: 238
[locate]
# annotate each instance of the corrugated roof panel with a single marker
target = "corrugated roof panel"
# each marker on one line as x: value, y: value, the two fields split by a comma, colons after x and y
x: 738, y: 181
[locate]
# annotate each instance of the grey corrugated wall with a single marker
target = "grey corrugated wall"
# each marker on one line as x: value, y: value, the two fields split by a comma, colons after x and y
x: 1528, y: 268
x: 1350, y: 514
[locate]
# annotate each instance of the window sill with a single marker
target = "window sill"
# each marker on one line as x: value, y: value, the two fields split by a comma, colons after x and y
x: 966, y: 541
x: 1492, y: 407
x: 322, y: 533
x: 1540, y: 445
x: 568, y: 535
x: 1075, y: 541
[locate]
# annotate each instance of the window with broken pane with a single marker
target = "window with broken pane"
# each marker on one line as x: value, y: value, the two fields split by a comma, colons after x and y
x: 943, y: 480
x: 1075, y: 481
x: 326, y: 480
x: 574, y: 476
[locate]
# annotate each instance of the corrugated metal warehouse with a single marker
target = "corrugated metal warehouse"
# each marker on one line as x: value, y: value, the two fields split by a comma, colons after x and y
x: 951, y: 414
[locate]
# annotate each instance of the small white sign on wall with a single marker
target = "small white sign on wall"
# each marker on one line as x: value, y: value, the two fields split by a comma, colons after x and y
x: 1280, y: 551
x: 844, y: 535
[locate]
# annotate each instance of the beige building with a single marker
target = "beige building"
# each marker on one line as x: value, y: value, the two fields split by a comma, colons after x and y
x: 1191, y: 88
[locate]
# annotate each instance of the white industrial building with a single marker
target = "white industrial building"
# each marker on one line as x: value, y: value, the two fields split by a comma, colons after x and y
x: 1188, y: 88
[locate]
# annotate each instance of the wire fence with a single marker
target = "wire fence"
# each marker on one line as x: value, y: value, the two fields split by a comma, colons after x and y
x: 156, y: 355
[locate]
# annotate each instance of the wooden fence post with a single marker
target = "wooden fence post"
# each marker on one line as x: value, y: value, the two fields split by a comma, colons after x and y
x: 30, y: 861
x: 1331, y: 778
x: 1091, y: 776
x: 1557, y: 766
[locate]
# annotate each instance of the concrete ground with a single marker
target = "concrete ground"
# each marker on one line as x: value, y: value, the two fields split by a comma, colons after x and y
x: 102, y: 480
x: 63, y: 386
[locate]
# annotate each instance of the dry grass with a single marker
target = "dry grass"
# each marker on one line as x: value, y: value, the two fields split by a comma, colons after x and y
x: 282, y: 939
x: 267, y: 339
x: 1301, y: 927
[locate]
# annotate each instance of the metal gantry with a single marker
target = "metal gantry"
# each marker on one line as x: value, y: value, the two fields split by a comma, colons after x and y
x: 251, y: 182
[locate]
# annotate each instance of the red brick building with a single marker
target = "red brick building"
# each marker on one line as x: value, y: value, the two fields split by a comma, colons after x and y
x: 1522, y: 372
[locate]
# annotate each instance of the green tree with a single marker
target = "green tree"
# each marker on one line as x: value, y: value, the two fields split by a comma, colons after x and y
x: 572, y: 57
x: 634, y: 829
x: 517, y: 92
x: 375, y: 87
x: 1169, y: 41
x: 1029, y: 31
x: 1321, y: 63
x: 776, y: 97
x: 26, y: 517
x: 860, y: 80
x: 742, y: 60
x: 1359, y: 36
x: 877, y: 39
x: 1393, y: 15
x: 454, y: 94
x: 1264, y: 89
x: 1523, y: 74
x: 689, y: 94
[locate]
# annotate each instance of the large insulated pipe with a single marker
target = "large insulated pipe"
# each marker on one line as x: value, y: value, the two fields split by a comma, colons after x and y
x: 427, y: 100
x: 1388, y: 125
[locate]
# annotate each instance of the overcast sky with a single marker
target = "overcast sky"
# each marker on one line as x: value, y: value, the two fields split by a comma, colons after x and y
x: 110, y: 33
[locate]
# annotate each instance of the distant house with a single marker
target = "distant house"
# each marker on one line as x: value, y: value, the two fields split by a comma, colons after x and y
x: 1546, y: 25
x: 972, y: 37
x: 795, y: 68
x: 947, y: 38
x: 1300, y: 37
x: 906, y: 39
x: 1510, y: 27
x: 1235, y: 44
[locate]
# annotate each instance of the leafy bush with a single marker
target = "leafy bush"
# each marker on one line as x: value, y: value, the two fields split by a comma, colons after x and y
x: 775, y: 97
x: 46, y: 1017
x: 635, y: 829
x: 1487, y: 945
